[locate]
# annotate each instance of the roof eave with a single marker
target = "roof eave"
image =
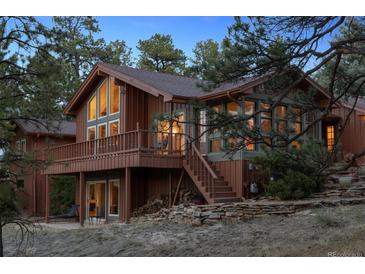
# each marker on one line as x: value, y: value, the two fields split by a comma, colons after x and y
x: 100, y: 69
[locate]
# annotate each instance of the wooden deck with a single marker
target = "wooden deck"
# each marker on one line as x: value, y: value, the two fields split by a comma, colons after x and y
x: 139, y: 148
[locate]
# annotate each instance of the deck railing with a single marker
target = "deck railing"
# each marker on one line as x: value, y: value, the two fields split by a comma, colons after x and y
x: 148, y: 141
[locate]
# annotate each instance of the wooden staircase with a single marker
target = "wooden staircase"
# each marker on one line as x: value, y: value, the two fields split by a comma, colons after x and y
x: 207, y: 178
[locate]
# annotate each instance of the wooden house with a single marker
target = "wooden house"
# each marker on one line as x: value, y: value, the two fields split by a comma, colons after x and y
x: 31, y: 138
x: 123, y: 157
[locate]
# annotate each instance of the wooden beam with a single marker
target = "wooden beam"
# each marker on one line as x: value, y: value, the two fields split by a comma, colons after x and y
x: 170, y: 188
x: 48, y: 200
x: 122, y: 196
x: 34, y: 191
x: 82, y: 185
x: 123, y: 99
x: 178, y: 186
x: 128, y: 194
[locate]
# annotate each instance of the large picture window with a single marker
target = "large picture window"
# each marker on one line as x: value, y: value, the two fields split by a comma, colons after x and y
x: 102, y: 99
x: 232, y: 108
x: 102, y: 131
x: 114, y: 97
x: 91, y: 115
x: 114, y: 128
x: 103, y: 110
x: 297, y: 120
x: 250, y: 108
x: 265, y: 118
x: 281, y: 119
x: 91, y: 133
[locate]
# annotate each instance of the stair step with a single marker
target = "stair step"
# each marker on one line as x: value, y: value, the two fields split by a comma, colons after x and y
x: 225, y: 194
x: 220, y: 189
x: 220, y: 178
x: 216, y: 183
x: 227, y: 200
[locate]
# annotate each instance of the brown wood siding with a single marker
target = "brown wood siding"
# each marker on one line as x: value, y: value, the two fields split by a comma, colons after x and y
x: 33, y: 196
x: 154, y: 183
x: 81, y: 124
x: 353, y: 136
x: 233, y: 172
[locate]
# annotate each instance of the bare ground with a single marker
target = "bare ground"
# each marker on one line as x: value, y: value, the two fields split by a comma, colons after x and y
x: 316, y: 232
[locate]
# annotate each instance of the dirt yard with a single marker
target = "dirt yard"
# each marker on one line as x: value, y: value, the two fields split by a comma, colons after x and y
x: 336, y: 231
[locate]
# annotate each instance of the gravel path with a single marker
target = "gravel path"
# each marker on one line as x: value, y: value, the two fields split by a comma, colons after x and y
x: 308, y: 233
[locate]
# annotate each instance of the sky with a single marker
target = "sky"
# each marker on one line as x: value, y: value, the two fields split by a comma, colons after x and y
x: 186, y: 31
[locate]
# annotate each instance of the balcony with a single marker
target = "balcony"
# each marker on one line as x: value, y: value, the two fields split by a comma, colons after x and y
x: 139, y: 148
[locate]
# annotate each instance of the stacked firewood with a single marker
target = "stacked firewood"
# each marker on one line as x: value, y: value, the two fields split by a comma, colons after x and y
x: 152, y: 206
x: 188, y: 196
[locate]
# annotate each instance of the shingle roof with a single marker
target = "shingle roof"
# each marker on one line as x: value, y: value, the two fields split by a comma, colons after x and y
x: 47, y: 127
x: 349, y: 103
x: 175, y: 85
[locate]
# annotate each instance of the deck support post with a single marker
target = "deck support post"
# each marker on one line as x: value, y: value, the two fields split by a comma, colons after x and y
x: 82, y: 197
x: 125, y: 195
x: 170, y: 188
x: 48, y: 199
x: 34, y: 193
x: 128, y: 194
x: 121, y: 196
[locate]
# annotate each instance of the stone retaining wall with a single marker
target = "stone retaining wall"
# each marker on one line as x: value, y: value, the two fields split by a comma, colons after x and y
x: 199, y: 214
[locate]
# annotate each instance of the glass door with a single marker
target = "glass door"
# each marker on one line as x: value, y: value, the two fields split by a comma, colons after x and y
x: 96, y: 200
x: 114, y: 197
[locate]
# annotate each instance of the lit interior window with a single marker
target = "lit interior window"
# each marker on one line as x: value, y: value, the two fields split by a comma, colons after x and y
x: 102, y: 99
x: 281, y: 115
x: 232, y: 142
x: 249, y: 144
x: 92, y: 109
x: 330, y: 137
x: 215, y: 145
x: 265, y: 119
x: 102, y: 131
x: 114, y: 128
x: 91, y: 134
x: 232, y: 108
x: 281, y: 112
x: 114, y: 97
x: 297, y: 120
x: 249, y: 107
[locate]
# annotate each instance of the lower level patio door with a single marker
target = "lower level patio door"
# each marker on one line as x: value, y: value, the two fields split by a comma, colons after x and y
x: 96, y: 200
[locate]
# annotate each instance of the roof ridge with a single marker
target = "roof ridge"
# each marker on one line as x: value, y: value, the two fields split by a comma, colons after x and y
x: 154, y: 72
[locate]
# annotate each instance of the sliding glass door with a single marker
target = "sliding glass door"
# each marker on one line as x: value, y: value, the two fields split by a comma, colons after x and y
x: 96, y: 200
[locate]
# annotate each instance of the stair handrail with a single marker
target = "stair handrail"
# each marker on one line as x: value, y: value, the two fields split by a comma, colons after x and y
x: 192, y: 155
x: 205, y: 163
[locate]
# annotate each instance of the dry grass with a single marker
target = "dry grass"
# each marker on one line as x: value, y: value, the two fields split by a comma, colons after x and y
x: 321, y: 232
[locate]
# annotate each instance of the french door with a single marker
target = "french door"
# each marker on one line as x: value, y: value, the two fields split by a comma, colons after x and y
x: 96, y: 199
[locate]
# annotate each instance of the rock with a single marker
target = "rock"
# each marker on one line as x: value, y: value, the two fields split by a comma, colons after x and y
x: 232, y: 214
x: 215, y: 216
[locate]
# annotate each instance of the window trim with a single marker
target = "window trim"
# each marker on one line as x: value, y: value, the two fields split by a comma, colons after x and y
x: 113, y: 121
x: 106, y: 130
x: 87, y: 133
x: 285, y: 119
x: 256, y: 103
x: 119, y: 99
x: 110, y: 183
x: 88, y: 107
x: 106, y: 100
